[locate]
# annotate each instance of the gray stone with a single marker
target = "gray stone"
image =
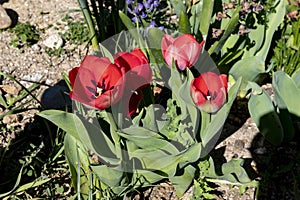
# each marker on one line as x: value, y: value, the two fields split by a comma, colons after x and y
x: 5, y: 20
x: 53, y: 41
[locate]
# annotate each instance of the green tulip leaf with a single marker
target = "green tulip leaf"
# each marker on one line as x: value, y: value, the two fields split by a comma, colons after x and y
x: 248, y: 68
x: 193, y: 111
x: 147, y: 139
x: 155, y: 36
x: 89, y: 134
x: 230, y: 27
x: 182, y: 182
x: 196, y: 17
x: 132, y: 29
x: 286, y: 88
x: 205, y: 17
x: 168, y: 163
x: 263, y: 114
x: 184, y: 25
x: 77, y: 157
x: 296, y: 78
x: 274, y: 20
x: 178, y: 6
x: 147, y: 177
x: 211, y: 132
x: 110, y: 176
x: 232, y: 173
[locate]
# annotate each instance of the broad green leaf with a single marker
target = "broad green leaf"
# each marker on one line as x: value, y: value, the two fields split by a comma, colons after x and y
x: 168, y: 163
x: 135, y: 32
x: 257, y: 36
x: 175, y: 83
x: 213, y: 129
x: 182, y: 182
x: 232, y: 173
x: 296, y: 78
x: 126, y: 21
x: 105, y: 52
x: 229, y: 44
x: 192, y: 110
x: 146, y: 178
x: 234, y: 166
x: 248, y: 68
x: 155, y: 36
x: 149, y: 121
x: 90, y: 135
x: 183, y: 24
x: 218, y: 45
x: 147, y: 139
x: 196, y: 17
x: 110, y: 176
x: 77, y: 156
x: 178, y: 6
x: 263, y: 114
x: 288, y: 91
x: 274, y: 20
x: 205, y: 16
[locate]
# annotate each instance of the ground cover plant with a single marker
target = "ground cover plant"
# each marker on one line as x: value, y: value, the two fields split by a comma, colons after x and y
x: 150, y: 100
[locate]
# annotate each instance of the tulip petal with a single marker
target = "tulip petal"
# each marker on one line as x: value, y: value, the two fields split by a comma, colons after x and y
x: 209, y: 91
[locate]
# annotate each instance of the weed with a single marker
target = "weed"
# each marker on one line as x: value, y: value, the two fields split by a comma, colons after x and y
x: 77, y: 32
x: 25, y: 34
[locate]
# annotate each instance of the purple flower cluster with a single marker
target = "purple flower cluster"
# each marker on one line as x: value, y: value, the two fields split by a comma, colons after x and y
x: 142, y: 10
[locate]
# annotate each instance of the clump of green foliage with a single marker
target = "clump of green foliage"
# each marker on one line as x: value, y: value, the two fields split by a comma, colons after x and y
x: 286, y: 53
x: 77, y: 31
x: 24, y: 34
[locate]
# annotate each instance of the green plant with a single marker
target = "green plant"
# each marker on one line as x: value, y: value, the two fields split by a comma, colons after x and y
x: 286, y: 53
x: 282, y: 112
x: 77, y: 32
x: 24, y: 34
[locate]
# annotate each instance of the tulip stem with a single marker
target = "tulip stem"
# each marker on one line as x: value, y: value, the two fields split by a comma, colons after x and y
x: 87, y: 16
x: 205, y: 120
x: 113, y: 131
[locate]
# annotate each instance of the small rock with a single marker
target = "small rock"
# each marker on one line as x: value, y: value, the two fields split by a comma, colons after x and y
x: 239, y: 144
x: 5, y: 20
x: 8, y: 119
x: 10, y: 89
x: 36, y: 47
x: 53, y: 41
x: 33, y: 77
x: 49, y: 81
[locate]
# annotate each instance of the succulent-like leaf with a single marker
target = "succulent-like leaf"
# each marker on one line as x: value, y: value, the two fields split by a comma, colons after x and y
x: 286, y: 88
x: 184, y: 25
x: 205, y: 17
x: 77, y: 158
x: 90, y: 135
x: 264, y: 115
x: 182, y: 182
x: 230, y: 27
x: 178, y: 6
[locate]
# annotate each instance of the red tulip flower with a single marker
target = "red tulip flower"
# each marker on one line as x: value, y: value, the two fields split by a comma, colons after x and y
x: 97, y: 82
x: 185, y: 50
x: 138, y: 76
x: 209, y: 91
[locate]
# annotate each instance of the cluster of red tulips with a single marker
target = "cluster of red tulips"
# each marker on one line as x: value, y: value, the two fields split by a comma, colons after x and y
x: 100, y: 82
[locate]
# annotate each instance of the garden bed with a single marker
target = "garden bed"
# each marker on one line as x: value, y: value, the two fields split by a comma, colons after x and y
x: 32, y: 147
